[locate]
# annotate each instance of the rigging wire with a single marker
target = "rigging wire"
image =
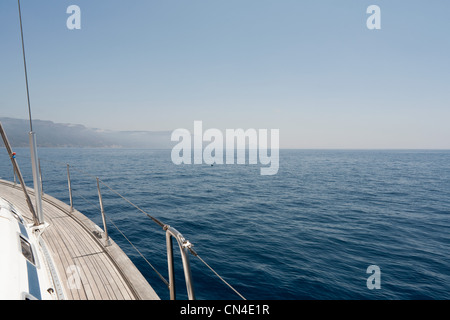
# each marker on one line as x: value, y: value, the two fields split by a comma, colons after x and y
x: 25, y: 67
x: 223, y: 280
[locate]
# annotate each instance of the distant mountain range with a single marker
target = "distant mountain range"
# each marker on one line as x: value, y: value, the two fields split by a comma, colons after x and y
x: 50, y: 134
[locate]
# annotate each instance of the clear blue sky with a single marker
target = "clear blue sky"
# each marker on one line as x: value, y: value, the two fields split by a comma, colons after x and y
x: 309, y: 68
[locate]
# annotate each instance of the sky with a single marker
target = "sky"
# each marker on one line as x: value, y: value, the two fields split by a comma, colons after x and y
x: 311, y: 69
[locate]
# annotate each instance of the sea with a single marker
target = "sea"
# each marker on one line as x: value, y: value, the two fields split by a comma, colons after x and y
x: 330, y: 225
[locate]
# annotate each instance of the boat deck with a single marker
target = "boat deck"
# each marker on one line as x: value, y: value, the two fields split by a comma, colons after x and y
x: 88, y: 270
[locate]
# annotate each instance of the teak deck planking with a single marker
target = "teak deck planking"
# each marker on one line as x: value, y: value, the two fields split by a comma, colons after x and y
x: 88, y: 270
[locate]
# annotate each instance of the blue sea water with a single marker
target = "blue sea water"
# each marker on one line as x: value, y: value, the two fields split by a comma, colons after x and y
x: 309, y: 232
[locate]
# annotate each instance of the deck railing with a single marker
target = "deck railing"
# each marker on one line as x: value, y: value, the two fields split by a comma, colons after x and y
x: 184, y: 245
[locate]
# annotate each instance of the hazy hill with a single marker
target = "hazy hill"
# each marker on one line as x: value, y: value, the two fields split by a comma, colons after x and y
x: 50, y: 134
